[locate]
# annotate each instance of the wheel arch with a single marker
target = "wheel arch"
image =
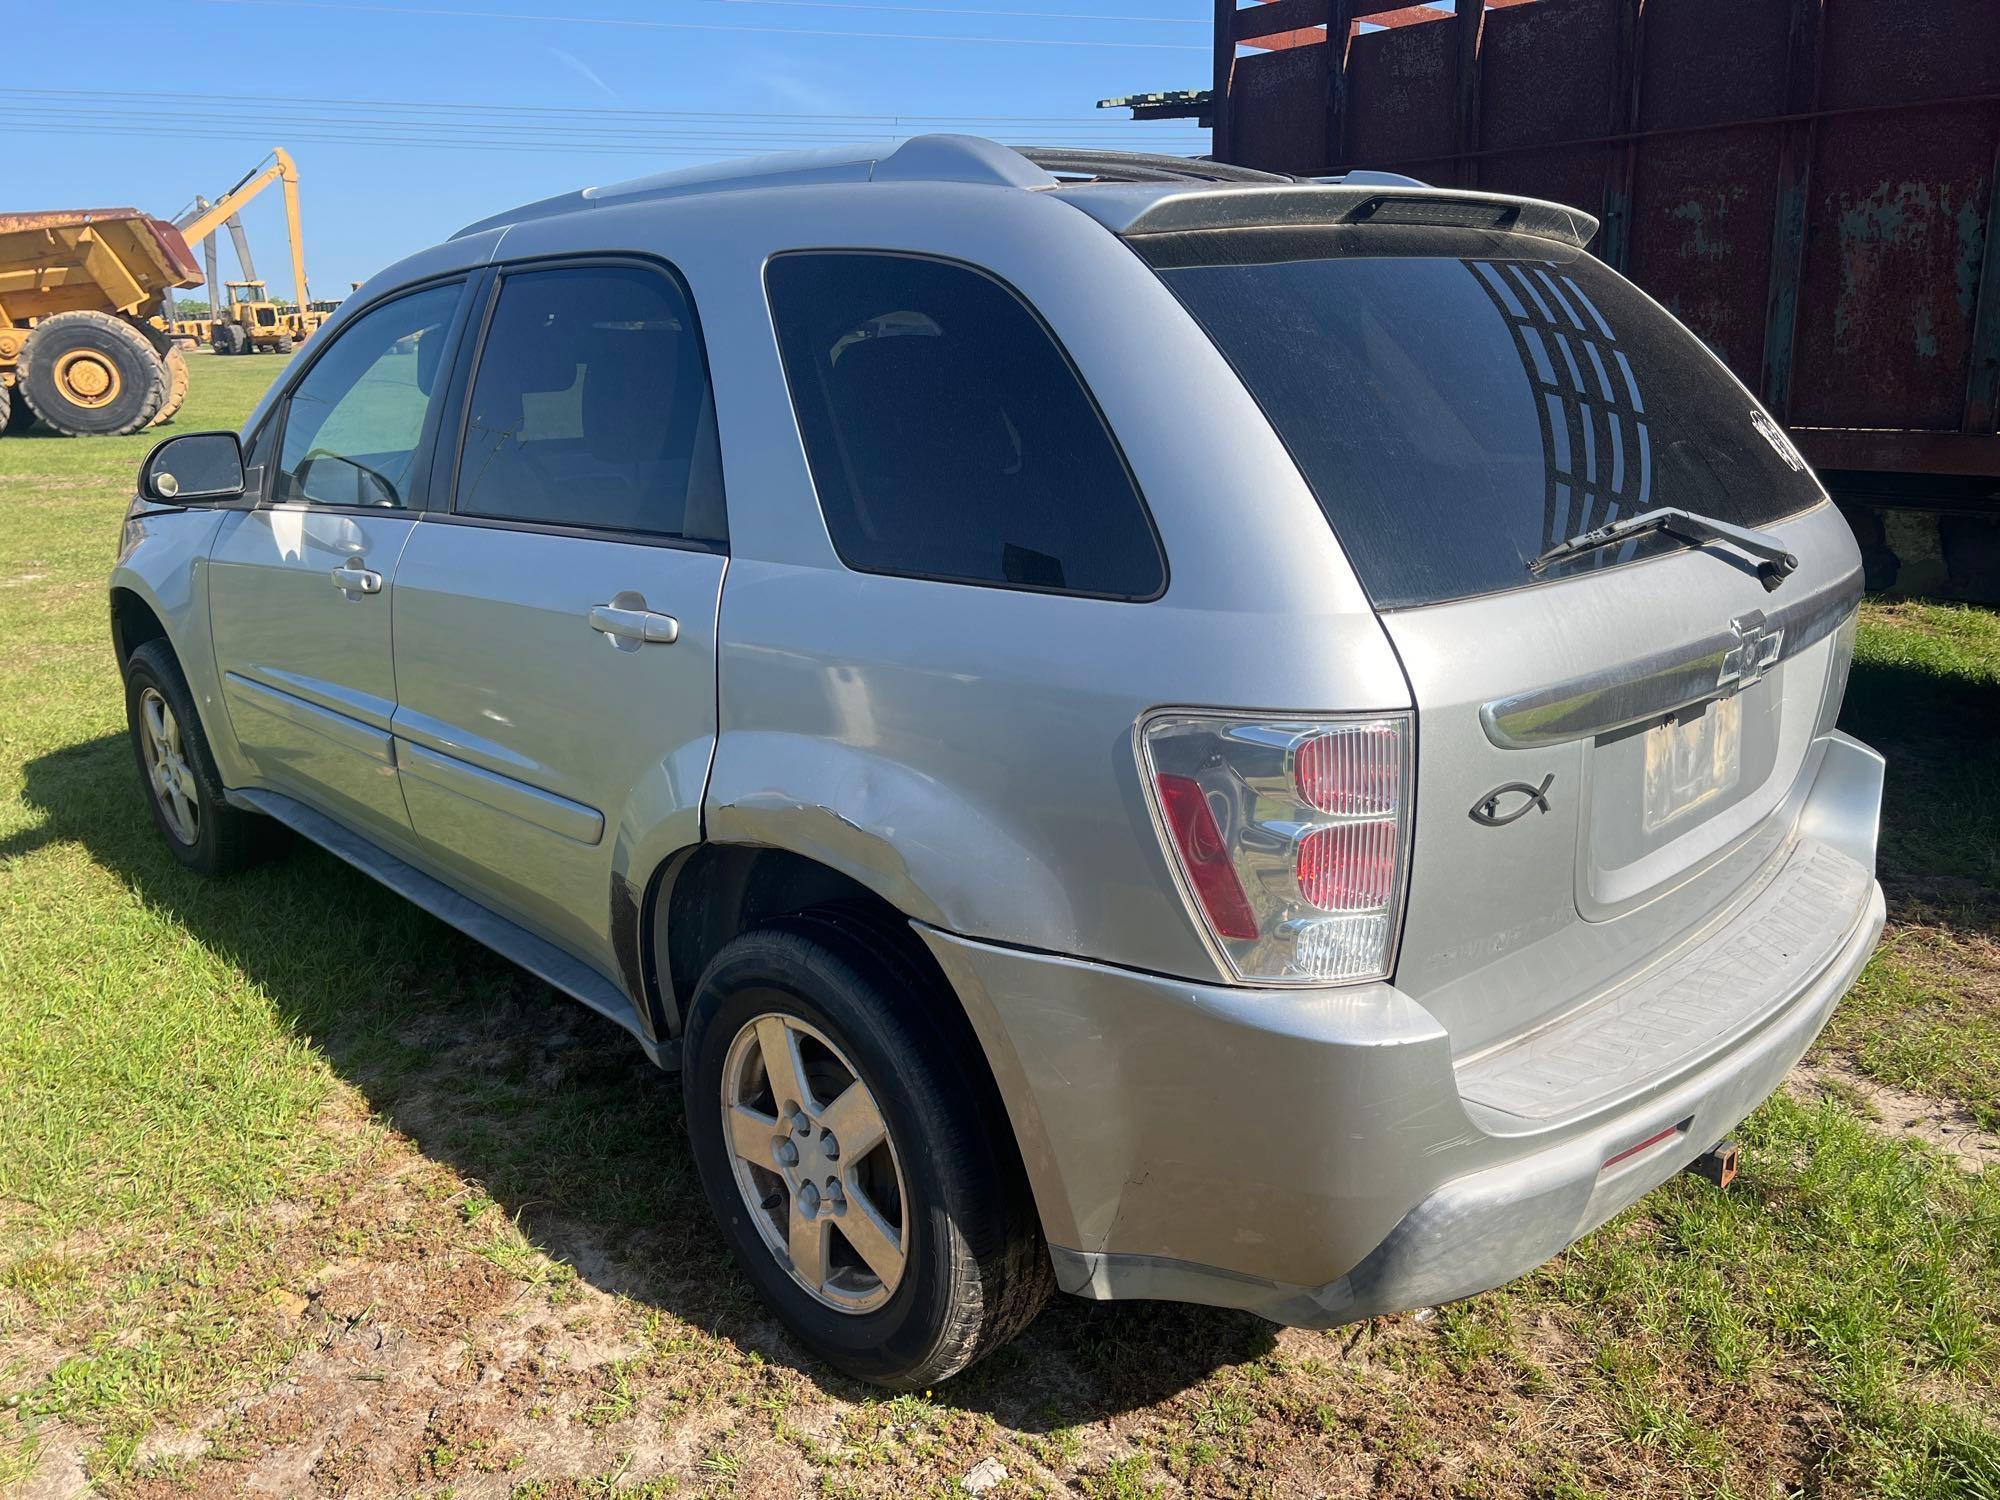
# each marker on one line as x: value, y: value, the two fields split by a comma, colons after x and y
x: 134, y: 621
x: 708, y: 893
x: 156, y: 593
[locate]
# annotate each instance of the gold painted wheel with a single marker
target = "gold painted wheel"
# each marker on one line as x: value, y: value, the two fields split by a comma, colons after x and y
x: 87, y: 378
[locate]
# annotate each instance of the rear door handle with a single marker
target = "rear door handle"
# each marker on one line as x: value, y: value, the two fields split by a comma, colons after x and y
x: 640, y: 626
x: 352, y: 578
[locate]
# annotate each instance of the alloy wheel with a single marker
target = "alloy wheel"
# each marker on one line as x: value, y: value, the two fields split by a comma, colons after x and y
x: 815, y: 1163
x: 167, y: 768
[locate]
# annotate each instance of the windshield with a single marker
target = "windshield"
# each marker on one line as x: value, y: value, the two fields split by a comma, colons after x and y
x: 1465, y: 401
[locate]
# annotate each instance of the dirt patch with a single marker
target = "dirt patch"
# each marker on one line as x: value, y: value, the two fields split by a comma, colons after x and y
x: 1948, y: 1127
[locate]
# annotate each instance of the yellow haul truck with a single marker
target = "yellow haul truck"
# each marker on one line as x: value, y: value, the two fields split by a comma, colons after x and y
x: 77, y: 290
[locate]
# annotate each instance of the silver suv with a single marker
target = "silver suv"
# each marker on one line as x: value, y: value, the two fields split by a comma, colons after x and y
x: 1128, y: 725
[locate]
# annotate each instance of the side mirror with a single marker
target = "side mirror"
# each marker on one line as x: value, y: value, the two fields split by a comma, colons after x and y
x: 194, y: 467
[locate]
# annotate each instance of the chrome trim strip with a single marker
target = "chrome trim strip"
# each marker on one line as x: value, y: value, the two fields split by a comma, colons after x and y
x: 1653, y: 687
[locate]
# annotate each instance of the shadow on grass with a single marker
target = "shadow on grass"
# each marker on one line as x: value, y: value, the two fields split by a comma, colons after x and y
x: 552, y: 1110
x: 1940, y: 732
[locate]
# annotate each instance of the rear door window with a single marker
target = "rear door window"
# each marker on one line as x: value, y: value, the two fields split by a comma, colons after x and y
x: 591, y: 408
x: 947, y: 433
x: 1459, y: 403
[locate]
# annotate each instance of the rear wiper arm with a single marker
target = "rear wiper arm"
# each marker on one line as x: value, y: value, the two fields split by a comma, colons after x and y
x: 1774, y: 565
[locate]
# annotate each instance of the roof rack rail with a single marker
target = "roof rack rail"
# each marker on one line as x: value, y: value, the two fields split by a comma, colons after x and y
x: 1140, y: 166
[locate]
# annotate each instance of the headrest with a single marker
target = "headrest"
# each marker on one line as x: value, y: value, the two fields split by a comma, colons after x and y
x: 874, y: 379
x: 630, y: 378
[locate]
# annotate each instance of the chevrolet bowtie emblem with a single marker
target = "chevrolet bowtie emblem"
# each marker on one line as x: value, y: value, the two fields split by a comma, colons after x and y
x: 1755, y: 652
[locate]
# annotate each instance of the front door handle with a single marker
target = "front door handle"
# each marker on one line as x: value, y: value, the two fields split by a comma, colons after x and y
x: 352, y: 578
x: 642, y: 627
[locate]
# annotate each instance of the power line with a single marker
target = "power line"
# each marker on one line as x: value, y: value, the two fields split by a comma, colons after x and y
x: 329, y: 136
x: 955, y: 10
x: 1070, y: 122
x: 566, y: 148
x: 618, y: 135
x: 756, y: 134
x: 864, y: 36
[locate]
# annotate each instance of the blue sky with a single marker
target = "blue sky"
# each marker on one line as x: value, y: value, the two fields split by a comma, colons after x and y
x: 135, y: 104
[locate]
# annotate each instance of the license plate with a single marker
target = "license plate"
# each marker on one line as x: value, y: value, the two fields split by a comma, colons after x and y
x: 1693, y: 760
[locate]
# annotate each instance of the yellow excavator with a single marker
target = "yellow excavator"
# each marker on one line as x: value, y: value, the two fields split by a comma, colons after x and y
x: 246, y: 321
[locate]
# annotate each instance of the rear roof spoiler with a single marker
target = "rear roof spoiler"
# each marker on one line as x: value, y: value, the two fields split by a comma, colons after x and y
x: 1131, y: 209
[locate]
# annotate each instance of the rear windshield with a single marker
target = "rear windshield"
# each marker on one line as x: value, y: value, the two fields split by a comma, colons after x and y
x: 1469, y: 400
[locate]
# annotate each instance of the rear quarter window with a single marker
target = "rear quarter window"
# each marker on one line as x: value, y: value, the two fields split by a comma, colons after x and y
x: 947, y: 433
x: 1461, y: 402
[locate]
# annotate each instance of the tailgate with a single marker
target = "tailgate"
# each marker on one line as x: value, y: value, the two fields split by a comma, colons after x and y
x: 1610, y: 743
x: 1669, y: 774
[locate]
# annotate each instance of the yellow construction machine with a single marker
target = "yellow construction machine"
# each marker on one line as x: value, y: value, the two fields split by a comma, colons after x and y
x: 88, y: 341
x: 245, y: 319
x: 79, y: 291
x: 249, y: 322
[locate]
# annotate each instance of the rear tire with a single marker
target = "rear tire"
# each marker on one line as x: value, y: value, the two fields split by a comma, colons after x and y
x: 973, y: 1269
x: 88, y: 374
x: 19, y: 417
x: 178, y: 771
x: 177, y: 384
x: 285, y: 345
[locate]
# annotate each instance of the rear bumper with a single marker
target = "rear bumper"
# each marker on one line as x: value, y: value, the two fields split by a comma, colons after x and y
x: 1311, y: 1157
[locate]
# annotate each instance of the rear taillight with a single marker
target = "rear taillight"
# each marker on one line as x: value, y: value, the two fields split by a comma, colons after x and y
x: 1290, y: 837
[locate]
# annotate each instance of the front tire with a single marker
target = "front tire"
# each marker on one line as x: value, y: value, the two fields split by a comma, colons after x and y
x: 178, y: 771
x: 852, y: 1154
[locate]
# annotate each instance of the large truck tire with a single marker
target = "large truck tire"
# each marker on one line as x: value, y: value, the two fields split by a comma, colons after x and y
x: 88, y: 374
x: 17, y: 416
x: 177, y: 384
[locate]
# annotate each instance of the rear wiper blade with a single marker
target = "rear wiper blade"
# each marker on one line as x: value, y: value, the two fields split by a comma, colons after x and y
x: 1774, y: 564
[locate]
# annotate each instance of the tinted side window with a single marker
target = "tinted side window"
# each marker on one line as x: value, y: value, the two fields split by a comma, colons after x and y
x: 947, y: 434
x: 353, y: 425
x: 591, y: 407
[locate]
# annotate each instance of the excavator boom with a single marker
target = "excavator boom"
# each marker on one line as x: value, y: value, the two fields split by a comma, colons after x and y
x: 281, y: 169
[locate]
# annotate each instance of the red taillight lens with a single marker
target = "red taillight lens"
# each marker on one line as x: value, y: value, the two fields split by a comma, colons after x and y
x: 1289, y: 836
x: 1205, y: 857
x: 1351, y: 771
x: 1350, y: 866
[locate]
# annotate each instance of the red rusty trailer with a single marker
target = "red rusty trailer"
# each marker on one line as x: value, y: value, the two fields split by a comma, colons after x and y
x: 1809, y: 184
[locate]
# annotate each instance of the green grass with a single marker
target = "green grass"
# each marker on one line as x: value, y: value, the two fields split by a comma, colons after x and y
x: 1926, y: 1016
x: 288, y: 1165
